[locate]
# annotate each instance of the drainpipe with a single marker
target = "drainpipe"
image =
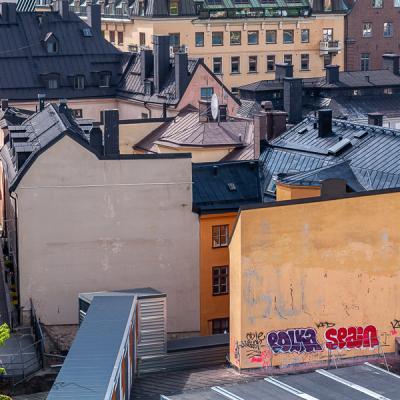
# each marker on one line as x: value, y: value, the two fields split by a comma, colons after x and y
x: 17, y: 256
x: 147, y: 108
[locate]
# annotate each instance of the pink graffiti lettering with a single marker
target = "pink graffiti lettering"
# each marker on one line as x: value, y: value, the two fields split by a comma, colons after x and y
x: 351, y: 338
x: 294, y: 341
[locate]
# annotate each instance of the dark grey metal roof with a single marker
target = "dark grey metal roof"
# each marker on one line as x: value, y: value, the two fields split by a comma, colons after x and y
x: 87, y: 370
x: 225, y: 185
x: 335, y: 384
x: 373, y: 158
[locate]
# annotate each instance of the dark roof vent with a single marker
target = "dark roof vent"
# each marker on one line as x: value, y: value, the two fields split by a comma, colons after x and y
x: 302, y: 131
x: 215, y: 170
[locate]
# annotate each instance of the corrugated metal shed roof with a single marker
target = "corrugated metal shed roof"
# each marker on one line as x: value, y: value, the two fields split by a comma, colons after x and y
x: 90, y: 362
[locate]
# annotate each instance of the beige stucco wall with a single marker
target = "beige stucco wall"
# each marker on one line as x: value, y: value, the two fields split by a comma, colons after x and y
x: 90, y: 225
x: 324, y: 268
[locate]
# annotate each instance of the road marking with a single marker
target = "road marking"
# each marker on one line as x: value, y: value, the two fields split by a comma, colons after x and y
x: 290, y: 389
x: 354, y: 386
x: 382, y: 370
x: 225, y: 393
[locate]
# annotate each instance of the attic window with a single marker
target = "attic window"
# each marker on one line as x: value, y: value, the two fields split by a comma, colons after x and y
x: 173, y: 7
x: 79, y: 82
x: 52, y: 46
x: 87, y: 32
x: 52, y: 83
x: 105, y: 79
x: 231, y: 186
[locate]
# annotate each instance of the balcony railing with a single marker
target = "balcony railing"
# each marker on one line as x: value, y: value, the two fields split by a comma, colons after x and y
x: 329, y: 46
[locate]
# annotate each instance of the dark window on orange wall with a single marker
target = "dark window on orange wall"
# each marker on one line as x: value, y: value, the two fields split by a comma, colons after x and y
x: 220, y: 280
x: 220, y: 325
x: 220, y: 235
x: 120, y: 38
x: 112, y: 36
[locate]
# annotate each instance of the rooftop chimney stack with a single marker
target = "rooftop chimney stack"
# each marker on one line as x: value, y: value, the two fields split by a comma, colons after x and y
x: 41, y: 98
x: 110, y: 119
x: 283, y: 70
x: 161, y: 60
x: 332, y: 74
x: 146, y: 63
x: 276, y: 124
x: 96, y: 140
x: 375, y: 118
x: 4, y: 104
x: 181, y: 73
x: 8, y: 11
x: 392, y: 63
x: 293, y: 99
x: 324, y: 123
x: 93, y: 13
x: 260, y: 132
x: 63, y: 8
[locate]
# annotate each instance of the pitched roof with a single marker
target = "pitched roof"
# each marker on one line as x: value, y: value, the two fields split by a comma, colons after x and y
x: 186, y: 130
x: 225, y: 186
x: 372, y: 152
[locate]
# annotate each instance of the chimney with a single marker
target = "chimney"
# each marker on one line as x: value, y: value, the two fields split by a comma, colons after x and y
x: 41, y: 98
x: 222, y: 112
x: 63, y: 8
x: 8, y: 12
x: 146, y: 63
x: 293, y: 99
x: 324, y: 123
x: 333, y: 187
x: 391, y: 62
x: 93, y: 13
x: 4, y: 104
x: 63, y: 107
x: 375, y: 118
x: 276, y: 124
x: 110, y: 119
x: 283, y: 70
x: 332, y: 74
x: 260, y: 132
x: 96, y: 140
x: 181, y: 73
x: 161, y: 60
x: 267, y: 105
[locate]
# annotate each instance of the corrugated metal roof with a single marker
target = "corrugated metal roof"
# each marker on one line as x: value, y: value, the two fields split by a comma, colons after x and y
x: 90, y: 362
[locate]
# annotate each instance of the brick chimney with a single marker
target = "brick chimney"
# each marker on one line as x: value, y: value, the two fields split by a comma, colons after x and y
x: 375, y: 118
x: 276, y: 124
x: 110, y: 120
x: 324, y: 123
x: 161, y: 60
x: 332, y: 74
x: 283, y: 70
x: 181, y: 73
x: 293, y: 99
x: 93, y: 13
x: 391, y: 62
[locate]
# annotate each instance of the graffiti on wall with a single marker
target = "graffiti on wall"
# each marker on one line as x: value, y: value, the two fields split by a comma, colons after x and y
x: 351, y: 338
x: 294, y: 341
x: 395, y: 325
x: 325, y: 324
x: 255, y: 348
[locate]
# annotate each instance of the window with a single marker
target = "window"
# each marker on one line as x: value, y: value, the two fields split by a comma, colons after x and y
x: 270, y: 63
x: 364, y: 61
x: 199, y: 39
x: 305, y: 36
x: 175, y: 40
x: 217, y: 65
x: 235, y: 65
x: 112, y: 36
x: 52, y: 46
x: 388, y: 90
x: 387, y: 29
x: 173, y: 7
x: 356, y: 92
x: 141, y: 8
x: 397, y: 3
x: 52, y: 83
x: 206, y: 93
x: 327, y: 60
x: 79, y: 82
x: 305, y: 62
x: 120, y: 38
x: 327, y: 35
x: 367, y: 29
x: 105, y: 79
x: 252, y: 37
x: 288, y: 59
x: 288, y: 36
x: 142, y: 39
x: 77, y: 112
x: 235, y: 38
x: 235, y: 90
x: 270, y: 37
x: 220, y: 235
x: 377, y: 3
x: 218, y: 38
x: 145, y: 116
x: 252, y: 64
x: 220, y: 280
x: 220, y: 326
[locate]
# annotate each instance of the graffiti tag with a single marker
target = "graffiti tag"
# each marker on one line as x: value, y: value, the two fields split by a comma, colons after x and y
x: 253, y: 343
x: 351, y: 338
x: 265, y: 358
x: 294, y: 341
x: 325, y: 324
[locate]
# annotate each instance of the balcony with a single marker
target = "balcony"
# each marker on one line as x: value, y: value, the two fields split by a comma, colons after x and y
x: 329, y: 47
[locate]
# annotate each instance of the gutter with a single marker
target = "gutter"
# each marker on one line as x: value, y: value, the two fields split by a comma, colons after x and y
x: 17, y: 255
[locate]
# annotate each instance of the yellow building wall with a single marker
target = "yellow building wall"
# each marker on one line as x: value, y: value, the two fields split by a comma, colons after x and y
x: 199, y: 154
x: 212, y: 307
x: 293, y: 192
x: 187, y: 27
x: 315, y: 280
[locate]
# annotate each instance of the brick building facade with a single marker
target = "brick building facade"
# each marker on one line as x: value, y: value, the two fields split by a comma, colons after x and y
x: 372, y: 29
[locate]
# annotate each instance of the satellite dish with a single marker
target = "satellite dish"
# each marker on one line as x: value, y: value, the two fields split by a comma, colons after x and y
x: 214, y: 106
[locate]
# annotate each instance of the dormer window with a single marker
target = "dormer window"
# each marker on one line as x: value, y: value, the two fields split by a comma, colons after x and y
x: 52, y: 83
x: 174, y: 7
x: 51, y: 43
x: 142, y: 8
x: 105, y: 79
x: 79, y: 82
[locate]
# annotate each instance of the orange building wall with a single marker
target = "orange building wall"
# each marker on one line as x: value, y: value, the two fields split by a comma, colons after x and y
x: 293, y: 192
x: 212, y: 307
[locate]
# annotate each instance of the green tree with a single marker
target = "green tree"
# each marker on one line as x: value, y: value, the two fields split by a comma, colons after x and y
x: 4, y: 336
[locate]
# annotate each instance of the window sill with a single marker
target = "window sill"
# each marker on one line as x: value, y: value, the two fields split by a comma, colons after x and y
x: 252, y: 73
x: 304, y: 70
x: 220, y: 294
x: 219, y: 247
x: 235, y: 44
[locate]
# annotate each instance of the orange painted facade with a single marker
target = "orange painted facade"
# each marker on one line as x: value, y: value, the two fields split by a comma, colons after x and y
x: 294, y: 192
x: 213, y: 307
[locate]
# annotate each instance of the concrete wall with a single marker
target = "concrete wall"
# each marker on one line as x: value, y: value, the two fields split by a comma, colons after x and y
x: 314, y: 280
x: 89, y: 225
